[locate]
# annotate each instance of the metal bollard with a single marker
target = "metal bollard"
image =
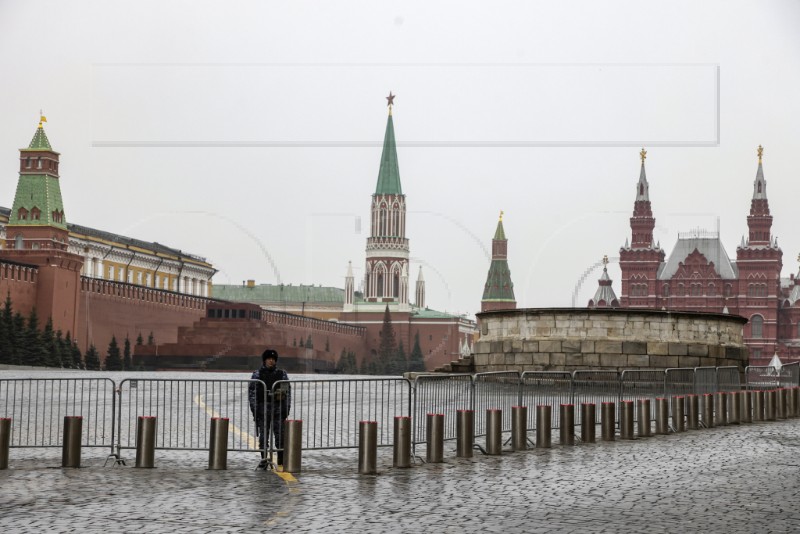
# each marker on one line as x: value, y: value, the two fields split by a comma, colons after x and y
x: 402, y: 442
x: 567, y: 429
x: 794, y: 409
x: 367, y: 447
x: 758, y: 405
x: 494, y: 432
x: 465, y: 433
x: 588, y: 422
x: 678, y: 419
x: 218, y: 444
x: 293, y: 446
x: 5, y: 441
x: 145, y: 441
x: 435, y: 453
x: 643, y: 417
x: 708, y: 410
x: 607, y: 422
x: 543, y: 420
x: 71, y: 450
x: 519, y: 428
x: 734, y: 405
x: 770, y: 406
x: 662, y: 416
x: 746, y: 406
x: 796, y: 396
x: 626, y: 420
x: 782, y: 403
x: 693, y: 412
x: 721, y: 409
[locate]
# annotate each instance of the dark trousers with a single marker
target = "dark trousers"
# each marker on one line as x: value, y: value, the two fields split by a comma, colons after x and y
x: 270, y: 420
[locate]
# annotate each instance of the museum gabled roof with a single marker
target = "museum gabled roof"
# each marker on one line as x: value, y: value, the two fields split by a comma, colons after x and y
x: 709, y: 246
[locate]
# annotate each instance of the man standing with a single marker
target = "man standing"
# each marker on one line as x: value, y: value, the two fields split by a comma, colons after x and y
x: 271, y: 407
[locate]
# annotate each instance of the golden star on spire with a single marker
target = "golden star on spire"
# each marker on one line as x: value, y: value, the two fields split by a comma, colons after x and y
x: 643, y: 155
x: 760, y: 153
x: 390, y: 101
x: 501, y: 219
x: 605, y: 259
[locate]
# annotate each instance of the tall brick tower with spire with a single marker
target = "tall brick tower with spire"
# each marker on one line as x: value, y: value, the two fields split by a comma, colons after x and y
x: 37, y: 234
x: 386, y: 274
x: 498, y: 293
x: 759, y: 261
x: 639, y: 261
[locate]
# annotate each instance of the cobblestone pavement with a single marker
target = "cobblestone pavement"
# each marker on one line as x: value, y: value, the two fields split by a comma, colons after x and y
x: 727, y: 479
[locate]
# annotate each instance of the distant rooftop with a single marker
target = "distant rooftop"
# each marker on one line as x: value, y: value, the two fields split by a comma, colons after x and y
x: 281, y: 293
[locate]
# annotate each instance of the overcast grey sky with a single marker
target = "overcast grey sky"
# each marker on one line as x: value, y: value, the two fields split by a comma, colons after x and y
x: 249, y: 132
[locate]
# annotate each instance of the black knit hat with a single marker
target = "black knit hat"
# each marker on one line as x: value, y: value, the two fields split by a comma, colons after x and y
x: 269, y: 353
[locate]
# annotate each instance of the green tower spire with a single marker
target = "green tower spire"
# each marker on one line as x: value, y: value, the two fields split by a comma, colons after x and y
x: 389, y: 173
x: 38, y: 198
x: 498, y: 293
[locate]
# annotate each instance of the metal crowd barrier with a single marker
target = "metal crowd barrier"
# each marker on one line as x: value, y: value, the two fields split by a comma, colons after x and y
x: 184, y: 409
x: 496, y: 390
x: 332, y: 409
x: 679, y: 381
x: 552, y: 388
x: 642, y: 384
x: 595, y: 387
x: 728, y: 379
x: 763, y: 377
x: 445, y: 394
x: 705, y: 380
x: 38, y: 406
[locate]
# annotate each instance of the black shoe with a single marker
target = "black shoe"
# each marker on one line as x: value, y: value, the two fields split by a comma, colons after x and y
x: 280, y: 458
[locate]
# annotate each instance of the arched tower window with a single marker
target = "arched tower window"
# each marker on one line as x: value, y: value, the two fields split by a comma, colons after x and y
x: 756, y: 326
x: 18, y: 242
x: 665, y: 290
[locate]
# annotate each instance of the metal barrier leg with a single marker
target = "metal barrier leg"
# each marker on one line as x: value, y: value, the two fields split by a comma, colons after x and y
x: 368, y: 447
x: 519, y: 428
x: 693, y: 417
x: 145, y: 441
x: 567, y: 428
x: 5, y: 441
x: 626, y: 420
x: 494, y: 432
x: 543, y: 421
x: 465, y: 433
x: 293, y: 445
x: 758, y: 405
x: 71, y: 450
x: 662, y: 416
x: 218, y: 444
x: 607, y: 420
x: 588, y: 422
x: 708, y: 410
x: 643, y: 417
x: 435, y: 453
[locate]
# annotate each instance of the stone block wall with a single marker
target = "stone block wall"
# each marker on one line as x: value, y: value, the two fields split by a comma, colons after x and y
x: 558, y: 339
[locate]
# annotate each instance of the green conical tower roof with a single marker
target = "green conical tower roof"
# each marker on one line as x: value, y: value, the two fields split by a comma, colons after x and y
x: 499, y: 287
x: 40, y: 141
x: 500, y: 234
x: 37, y: 201
x: 389, y: 174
